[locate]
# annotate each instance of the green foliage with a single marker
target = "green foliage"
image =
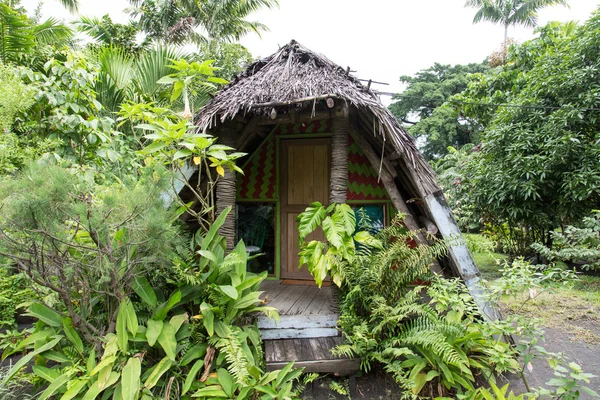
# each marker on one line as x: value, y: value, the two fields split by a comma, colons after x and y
x: 383, y: 316
x: 510, y: 12
x: 576, y: 245
x: 173, y: 141
x: 195, y: 80
x: 439, y: 124
x: 177, y: 21
x: 154, y: 349
x: 329, y: 258
x: 230, y: 58
x: 84, y: 242
x: 15, y: 290
x: 16, y: 34
x: 66, y: 110
x: 452, y: 172
x: 568, y: 383
x: 495, y: 393
x: 537, y: 167
x: 106, y: 32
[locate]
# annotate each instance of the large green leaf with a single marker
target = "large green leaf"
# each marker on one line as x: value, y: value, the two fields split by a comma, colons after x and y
x: 229, y: 291
x: 48, y: 374
x: 28, y: 341
x: 153, y: 330
x: 142, y: 288
x: 122, y: 336
x: 195, y: 352
x: 25, y: 360
x: 44, y: 314
x: 347, y: 216
x: 74, y: 389
x: 333, y: 226
x: 72, y: 334
x: 164, y: 308
x: 310, y: 219
x: 158, y: 371
x: 95, y: 389
x: 132, y: 321
x: 191, y: 377
x: 208, y: 318
x: 54, y: 386
x: 167, y: 340
x: 130, y: 379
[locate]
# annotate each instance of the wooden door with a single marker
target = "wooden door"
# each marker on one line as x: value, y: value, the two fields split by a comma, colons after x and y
x: 305, y: 165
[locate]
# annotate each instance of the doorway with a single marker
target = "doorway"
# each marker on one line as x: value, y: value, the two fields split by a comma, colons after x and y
x: 305, y: 166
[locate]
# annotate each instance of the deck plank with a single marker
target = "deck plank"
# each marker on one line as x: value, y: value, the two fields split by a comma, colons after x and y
x: 316, y: 304
x: 312, y: 354
x: 288, y: 298
x: 304, y: 301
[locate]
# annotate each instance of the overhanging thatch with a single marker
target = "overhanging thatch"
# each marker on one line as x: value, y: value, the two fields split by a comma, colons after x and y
x: 297, y: 77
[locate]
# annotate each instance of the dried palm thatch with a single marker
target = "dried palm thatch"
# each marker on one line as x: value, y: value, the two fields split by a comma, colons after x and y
x: 297, y: 77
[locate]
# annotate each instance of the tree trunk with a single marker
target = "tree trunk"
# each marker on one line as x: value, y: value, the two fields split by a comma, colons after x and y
x: 226, y: 191
x: 339, y: 160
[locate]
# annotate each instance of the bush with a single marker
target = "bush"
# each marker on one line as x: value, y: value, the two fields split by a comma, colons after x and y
x: 576, y: 245
x: 434, y: 347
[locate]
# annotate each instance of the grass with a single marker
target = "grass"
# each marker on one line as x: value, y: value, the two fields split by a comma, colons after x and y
x: 574, y: 309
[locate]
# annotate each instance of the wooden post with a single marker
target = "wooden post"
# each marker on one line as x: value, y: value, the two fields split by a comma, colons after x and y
x: 226, y: 190
x: 339, y: 158
x: 393, y: 192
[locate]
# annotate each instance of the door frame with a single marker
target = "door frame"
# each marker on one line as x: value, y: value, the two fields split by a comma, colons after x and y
x: 283, y: 143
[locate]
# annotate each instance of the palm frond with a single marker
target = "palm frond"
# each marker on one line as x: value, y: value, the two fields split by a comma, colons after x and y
x: 71, y: 5
x: 94, y: 28
x: 153, y: 65
x: 16, y: 34
x: 52, y: 32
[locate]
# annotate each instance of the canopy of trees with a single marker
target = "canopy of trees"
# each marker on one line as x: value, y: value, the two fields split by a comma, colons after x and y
x: 420, y: 107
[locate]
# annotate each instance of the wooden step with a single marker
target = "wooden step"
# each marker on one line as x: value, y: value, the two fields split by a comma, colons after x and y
x: 298, y: 326
x: 312, y: 354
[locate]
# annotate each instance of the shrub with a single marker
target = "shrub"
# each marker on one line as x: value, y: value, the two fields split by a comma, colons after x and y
x: 576, y: 245
x: 429, y: 347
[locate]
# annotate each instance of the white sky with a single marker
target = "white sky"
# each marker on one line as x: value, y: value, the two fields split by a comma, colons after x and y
x: 380, y: 39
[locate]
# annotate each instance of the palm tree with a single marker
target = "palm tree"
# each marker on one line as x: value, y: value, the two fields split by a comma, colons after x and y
x: 510, y: 12
x: 198, y: 20
x: 16, y: 34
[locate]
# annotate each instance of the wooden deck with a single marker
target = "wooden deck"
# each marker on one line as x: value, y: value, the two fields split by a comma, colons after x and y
x: 306, y: 331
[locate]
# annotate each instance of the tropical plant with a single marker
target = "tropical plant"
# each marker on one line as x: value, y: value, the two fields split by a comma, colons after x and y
x: 154, y: 348
x: 84, y: 242
x: 66, y: 110
x: 107, y: 33
x: 576, y: 245
x: 453, y: 174
x: 16, y: 34
x: 536, y: 170
x: 382, y: 314
x: 173, y: 141
x: 438, y: 124
x: 510, y: 12
x: 123, y: 76
x: 177, y: 21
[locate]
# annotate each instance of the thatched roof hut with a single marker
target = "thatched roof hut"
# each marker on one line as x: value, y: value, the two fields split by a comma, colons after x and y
x: 314, y: 132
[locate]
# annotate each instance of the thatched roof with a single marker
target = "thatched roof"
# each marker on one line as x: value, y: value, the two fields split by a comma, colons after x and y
x: 294, y: 73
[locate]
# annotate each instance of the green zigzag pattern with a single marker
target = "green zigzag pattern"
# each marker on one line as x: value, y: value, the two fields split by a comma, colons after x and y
x: 367, y: 190
x: 268, y: 171
x: 253, y: 175
x: 361, y: 169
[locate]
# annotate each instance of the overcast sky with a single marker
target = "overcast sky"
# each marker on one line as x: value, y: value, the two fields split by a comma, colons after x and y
x: 379, y: 39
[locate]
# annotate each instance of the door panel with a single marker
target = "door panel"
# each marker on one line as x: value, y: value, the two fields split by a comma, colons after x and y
x: 305, y: 179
